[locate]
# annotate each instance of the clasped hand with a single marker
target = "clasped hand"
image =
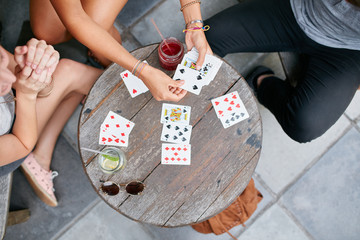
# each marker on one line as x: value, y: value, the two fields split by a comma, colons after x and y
x: 36, y: 62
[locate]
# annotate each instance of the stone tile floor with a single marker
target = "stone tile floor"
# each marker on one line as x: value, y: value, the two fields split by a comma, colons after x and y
x: 310, y: 190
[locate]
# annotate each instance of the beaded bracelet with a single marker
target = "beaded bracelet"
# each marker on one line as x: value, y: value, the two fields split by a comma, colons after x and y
x: 189, y: 4
x: 196, y: 29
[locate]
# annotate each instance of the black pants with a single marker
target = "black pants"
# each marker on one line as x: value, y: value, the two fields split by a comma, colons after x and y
x: 329, y: 81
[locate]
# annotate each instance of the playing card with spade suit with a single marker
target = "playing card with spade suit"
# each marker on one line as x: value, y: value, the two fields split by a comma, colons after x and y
x: 227, y: 104
x: 193, y: 79
x: 175, y: 113
x: 176, y: 133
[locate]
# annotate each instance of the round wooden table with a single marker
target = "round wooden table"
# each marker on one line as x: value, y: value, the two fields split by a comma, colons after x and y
x: 222, y: 160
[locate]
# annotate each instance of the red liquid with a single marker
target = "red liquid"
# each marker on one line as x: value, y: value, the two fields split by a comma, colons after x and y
x: 174, y: 49
x: 170, y: 55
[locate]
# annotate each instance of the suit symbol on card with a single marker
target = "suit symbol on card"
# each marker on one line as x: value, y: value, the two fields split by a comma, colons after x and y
x: 242, y: 114
x: 182, y: 70
x: 175, y: 137
x: 167, y: 136
x: 185, y: 129
x: 226, y: 100
x: 195, y: 87
x: 183, y: 139
x: 199, y: 77
x: 134, y: 91
x: 217, y: 103
x: 238, y: 105
x: 180, y: 134
x: 126, y: 74
x: 168, y: 126
x: 234, y: 97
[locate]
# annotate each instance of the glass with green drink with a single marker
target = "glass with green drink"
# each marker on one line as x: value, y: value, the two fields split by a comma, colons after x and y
x: 111, y: 159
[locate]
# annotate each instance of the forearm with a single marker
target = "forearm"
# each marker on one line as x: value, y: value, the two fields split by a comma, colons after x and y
x: 89, y: 33
x: 23, y: 138
x: 191, y: 12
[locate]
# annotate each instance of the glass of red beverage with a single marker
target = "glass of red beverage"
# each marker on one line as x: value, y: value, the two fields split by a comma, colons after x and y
x: 170, y: 53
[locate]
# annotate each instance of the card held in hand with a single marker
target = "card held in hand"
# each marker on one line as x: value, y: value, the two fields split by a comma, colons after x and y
x: 176, y: 154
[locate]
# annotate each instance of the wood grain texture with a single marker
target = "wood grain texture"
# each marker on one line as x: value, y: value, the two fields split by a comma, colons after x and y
x: 5, y: 183
x: 222, y: 160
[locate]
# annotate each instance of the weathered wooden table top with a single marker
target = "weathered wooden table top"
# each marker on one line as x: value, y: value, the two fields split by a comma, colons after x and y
x: 222, y: 160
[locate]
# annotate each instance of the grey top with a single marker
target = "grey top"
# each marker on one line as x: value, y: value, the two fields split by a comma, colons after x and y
x: 333, y: 23
x: 7, y: 113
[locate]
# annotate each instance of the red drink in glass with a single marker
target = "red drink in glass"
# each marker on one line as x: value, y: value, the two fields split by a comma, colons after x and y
x: 170, y: 54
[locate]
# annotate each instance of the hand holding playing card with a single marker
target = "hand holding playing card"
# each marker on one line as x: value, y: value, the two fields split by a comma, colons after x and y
x: 161, y: 86
x: 197, y: 39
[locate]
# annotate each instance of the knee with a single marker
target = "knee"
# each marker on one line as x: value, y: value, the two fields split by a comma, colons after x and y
x: 50, y: 35
x: 305, y: 127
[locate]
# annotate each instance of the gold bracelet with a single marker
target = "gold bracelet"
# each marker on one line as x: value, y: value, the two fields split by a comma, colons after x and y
x: 189, y: 4
x: 48, y: 89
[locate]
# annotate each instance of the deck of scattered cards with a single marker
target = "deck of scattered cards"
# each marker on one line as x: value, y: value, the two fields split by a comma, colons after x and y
x: 176, y: 130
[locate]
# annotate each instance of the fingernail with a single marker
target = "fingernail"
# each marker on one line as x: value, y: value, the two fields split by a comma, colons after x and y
x: 34, y: 66
x: 38, y: 70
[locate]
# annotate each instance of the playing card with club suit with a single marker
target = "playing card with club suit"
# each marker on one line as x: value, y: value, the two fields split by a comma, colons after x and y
x: 193, y: 80
x: 234, y: 118
x: 115, y: 121
x: 227, y: 104
x: 176, y: 154
x: 176, y: 133
x: 133, y: 84
x: 175, y: 113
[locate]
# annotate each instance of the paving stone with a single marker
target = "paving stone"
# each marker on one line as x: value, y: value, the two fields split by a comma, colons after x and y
x: 103, y: 222
x: 326, y: 199
x: 73, y: 191
x: 274, y: 224
x: 283, y: 159
x: 13, y: 13
x: 170, y: 20
x: 134, y: 10
x: 353, y: 110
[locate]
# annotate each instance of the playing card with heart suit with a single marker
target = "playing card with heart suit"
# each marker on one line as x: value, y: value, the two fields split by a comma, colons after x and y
x: 227, y: 104
x: 176, y: 154
x: 193, y: 80
x: 113, y: 137
x: 176, y: 133
x: 175, y: 113
x: 133, y: 84
x: 115, y: 121
x: 234, y: 118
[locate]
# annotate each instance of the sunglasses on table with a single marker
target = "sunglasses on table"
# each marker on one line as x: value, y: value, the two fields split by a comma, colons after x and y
x: 132, y: 188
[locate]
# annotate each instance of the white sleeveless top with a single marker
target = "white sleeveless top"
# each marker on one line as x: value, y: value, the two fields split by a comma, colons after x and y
x: 7, y: 113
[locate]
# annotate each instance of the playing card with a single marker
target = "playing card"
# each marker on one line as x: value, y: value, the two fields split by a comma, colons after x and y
x: 227, y: 104
x: 193, y: 80
x: 234, y: 118
x: 134, y: 85
x: 176, y: 133
x: 175, y: 113
x: 209, y: 68
x: 113, y: 137
x: 115, y: 121
x: 176, y: 154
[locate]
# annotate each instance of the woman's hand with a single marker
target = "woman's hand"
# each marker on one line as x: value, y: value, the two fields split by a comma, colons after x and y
x: 162, y: 87
x: 198, y: 40
x: 36, y: 63
x: 38, y: 56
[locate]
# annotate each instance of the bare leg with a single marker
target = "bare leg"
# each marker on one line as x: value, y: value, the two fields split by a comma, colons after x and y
x: 47, y: 25
x: 47, y: 140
